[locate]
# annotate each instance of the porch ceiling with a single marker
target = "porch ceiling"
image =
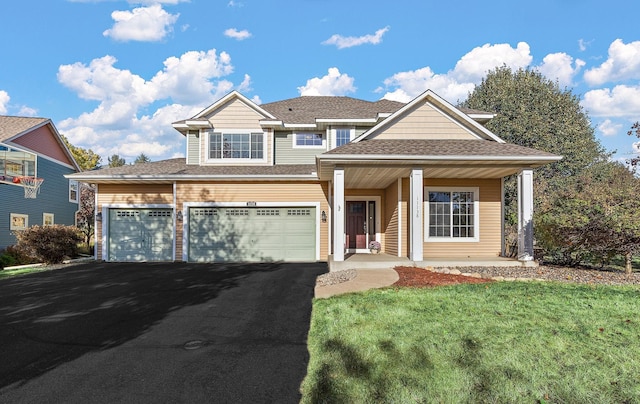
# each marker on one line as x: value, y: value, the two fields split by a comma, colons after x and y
x: 382, y: 175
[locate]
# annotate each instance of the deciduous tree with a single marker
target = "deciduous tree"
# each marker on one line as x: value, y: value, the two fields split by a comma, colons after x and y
x: 533, y: 111
x: 87, y: 159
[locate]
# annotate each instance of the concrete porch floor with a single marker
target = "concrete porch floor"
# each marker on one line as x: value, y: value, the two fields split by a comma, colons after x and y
x: 385, y: 261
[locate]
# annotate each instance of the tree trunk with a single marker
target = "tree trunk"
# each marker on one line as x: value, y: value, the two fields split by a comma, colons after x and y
x: 627, y: 263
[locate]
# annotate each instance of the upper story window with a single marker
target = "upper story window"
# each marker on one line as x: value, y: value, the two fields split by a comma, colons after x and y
x: 73, y: 191
x: 451, y: 214
x: 313, y: 140
x: 236, y: 146
x: 342, y: 136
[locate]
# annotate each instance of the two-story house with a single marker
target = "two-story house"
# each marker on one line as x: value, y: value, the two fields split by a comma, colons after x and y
x: 315, y: 178
x: 33, y: 189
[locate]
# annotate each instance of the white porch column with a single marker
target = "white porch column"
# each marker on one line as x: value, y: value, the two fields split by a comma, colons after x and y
x: 525, y: 215
x: 338, y: 214
x: 416, y: 191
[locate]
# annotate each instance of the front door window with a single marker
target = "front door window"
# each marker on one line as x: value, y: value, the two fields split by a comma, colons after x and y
x: 356, y: 225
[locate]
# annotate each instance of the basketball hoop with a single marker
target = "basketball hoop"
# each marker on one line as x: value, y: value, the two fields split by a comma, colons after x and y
x: 31, y: 186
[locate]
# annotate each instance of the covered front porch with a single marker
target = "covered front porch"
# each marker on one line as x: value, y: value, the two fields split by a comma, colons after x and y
x: 430, y: 207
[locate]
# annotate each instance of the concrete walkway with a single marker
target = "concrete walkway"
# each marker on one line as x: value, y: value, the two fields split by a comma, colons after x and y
x: 365, y: 279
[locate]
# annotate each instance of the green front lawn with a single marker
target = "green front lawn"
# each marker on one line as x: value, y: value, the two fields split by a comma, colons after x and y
x: 503, y: 342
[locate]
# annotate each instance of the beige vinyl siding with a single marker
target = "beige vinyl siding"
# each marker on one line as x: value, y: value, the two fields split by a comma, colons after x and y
x: 130, y: 194
x: 390, y: 222
x: 490, y: 221
x: 243, y: 192
x: 285, y: 153
x: 404, y: 219
x: 235, y: 115
x: 424, y: 122
x: 193, y: 147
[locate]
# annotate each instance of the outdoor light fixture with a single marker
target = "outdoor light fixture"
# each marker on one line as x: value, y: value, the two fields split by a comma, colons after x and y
x: 324, y: 217
x: 99, y: 217
x: 179, y: 216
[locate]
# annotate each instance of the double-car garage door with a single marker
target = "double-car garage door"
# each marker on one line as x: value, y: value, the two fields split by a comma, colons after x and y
x: 218, y: 234
x: 215, y: 234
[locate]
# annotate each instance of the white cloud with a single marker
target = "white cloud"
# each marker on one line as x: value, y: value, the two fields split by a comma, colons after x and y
x: 130, y: 111
x: 334, y: 83
x: 609, y: 128
x: 623, y: 63
x: 187, y: 79
x: 561, y: 67
x: 473, y: 66
x: 342, y: 42
x: 412, y: 83
x: 150, y: 24
x: 4, y: 100
x: 235, y: 34
x: 456, y: 84
x: 583, y: 44
x: 622, y: 101
x: 27, y: 111
x: 233, y: 3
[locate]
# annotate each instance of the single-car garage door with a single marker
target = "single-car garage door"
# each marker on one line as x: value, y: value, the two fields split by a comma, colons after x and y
x: 252, y: 234
x: 140, y: 235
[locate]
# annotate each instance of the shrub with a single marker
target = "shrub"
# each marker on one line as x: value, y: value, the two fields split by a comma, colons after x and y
x: 14, y: 255
x: 50, y: 244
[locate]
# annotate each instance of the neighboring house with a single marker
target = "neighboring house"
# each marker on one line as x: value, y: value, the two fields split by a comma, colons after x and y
x: 315, y: 178
x: 32, y: 147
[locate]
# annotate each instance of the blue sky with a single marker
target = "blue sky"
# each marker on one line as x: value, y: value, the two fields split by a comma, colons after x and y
x: 113, y: 75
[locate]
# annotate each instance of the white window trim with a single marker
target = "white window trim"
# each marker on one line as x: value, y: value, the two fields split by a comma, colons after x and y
x: 73, y: 183
x: 14, y: 216
x: 334, y: 137
x: 476, y: 215
x: 48, y: 215
x: 222, y: 132
x: 297, y: 146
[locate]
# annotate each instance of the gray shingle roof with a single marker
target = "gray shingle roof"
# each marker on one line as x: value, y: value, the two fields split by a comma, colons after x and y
x: 178, y: 168
x: 307, y: 109
x: 11, y: 126
x: 429, y: 147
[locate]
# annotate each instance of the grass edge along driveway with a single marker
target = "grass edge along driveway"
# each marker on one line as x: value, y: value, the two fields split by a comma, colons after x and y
x: 498, y: 342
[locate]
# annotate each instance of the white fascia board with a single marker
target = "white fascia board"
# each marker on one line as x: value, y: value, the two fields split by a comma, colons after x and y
x: 486, y: 116
x: 300, y: 125
x: 186, y: 178
x: 346, y: 120
x: 385, y: 157
x: 196, y: 124
x: 270, y: 122
x: 230, y: 96
x: 179, y: 126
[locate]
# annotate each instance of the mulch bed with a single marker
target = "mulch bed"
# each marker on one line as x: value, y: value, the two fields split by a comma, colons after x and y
x: 420, y: 277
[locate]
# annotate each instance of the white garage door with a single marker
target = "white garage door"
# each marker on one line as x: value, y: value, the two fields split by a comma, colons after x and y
x: 140, y: 235
x: 252, y: 234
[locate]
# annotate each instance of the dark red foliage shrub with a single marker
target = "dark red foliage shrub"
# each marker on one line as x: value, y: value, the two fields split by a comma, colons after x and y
x: 50, y: 244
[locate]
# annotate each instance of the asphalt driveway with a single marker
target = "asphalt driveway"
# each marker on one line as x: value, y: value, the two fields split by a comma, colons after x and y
x: 157, y: 332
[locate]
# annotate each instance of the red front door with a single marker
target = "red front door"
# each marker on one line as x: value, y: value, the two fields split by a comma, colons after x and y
x: 356, y: 229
